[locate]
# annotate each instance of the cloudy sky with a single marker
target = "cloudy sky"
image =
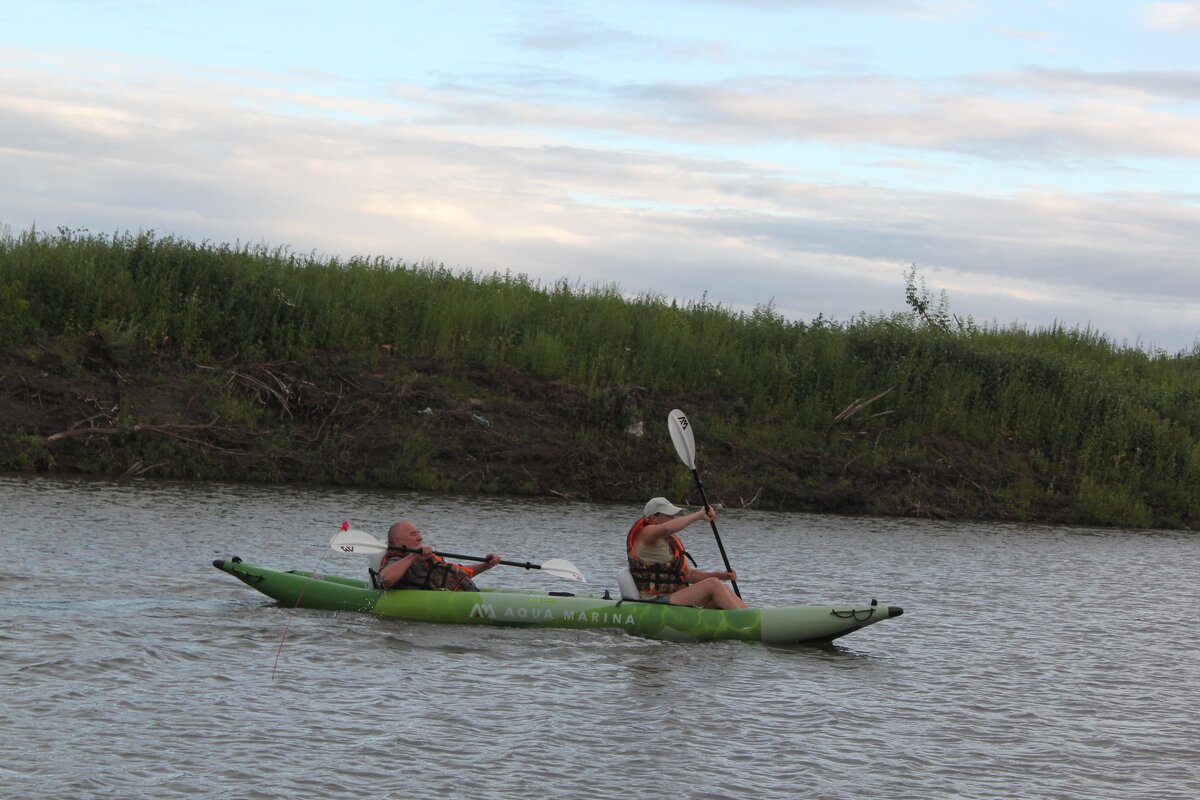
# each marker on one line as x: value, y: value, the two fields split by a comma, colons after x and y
x: 1039, y: 161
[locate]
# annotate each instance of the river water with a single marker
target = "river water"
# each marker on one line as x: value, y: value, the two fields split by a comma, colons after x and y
x: 1031, y: 662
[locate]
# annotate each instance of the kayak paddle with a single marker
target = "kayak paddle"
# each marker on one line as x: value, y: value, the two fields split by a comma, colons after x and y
x: 351, y: 541
x: 685, y: 446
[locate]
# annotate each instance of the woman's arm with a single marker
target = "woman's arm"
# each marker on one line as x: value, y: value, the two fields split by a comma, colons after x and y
x: 655, y: 533
x: 693, y: 575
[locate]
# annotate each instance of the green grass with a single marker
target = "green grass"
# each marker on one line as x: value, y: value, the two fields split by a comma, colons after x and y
x: 1114, y: 428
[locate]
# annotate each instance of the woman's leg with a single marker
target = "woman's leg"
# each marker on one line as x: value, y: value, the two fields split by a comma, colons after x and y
x: 709, y: 593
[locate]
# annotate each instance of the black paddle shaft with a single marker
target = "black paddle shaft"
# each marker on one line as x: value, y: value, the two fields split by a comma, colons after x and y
x: 713, y: 523
x: 523, y: 564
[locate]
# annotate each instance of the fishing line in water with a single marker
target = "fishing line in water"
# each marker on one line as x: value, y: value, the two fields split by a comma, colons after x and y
x: 311, y: 577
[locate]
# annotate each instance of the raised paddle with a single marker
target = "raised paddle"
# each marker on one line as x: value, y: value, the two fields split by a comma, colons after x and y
x: 685, y: 446
x: 350, y: 541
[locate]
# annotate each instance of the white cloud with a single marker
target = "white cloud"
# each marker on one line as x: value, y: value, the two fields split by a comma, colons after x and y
x: 1033, y: 115
x: 1174, y: 16
x: 931, y: 9
x: 205, y: 159
x: 1021, y: 34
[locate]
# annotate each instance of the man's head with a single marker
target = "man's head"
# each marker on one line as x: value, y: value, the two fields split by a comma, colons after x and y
x: 404, y: 534
x: 659, y: 505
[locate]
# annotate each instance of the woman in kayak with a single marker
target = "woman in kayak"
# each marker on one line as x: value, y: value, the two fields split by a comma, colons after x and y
x: 659, y: 564
x: 422, y: 569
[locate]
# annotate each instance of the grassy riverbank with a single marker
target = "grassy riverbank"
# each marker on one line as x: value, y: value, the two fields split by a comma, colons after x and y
x: 141, y: 355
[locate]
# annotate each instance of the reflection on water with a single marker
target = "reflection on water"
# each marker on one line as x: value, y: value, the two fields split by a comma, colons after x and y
x: 1031, y: 661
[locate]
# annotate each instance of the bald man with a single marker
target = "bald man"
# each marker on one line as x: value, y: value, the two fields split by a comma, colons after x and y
x: 421, y: 568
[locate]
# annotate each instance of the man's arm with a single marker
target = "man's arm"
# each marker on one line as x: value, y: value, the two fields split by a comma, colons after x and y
x: 395, y: 570
x: 475, y: 569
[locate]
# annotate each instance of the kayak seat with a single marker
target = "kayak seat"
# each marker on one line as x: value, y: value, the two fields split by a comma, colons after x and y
x: 373, y: 570
x: 629, y: 590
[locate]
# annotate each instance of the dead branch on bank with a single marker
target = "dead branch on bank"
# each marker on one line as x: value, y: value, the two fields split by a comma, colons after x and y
x: 181, y: 433
x: 268, y: 387
x: 170, y: 430
x: 748, y: 503
x: 858, y: 405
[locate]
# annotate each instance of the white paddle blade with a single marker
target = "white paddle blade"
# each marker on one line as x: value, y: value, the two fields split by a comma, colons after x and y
x: 681, y: 437
x: 357, y: 542
x: 561, y: 568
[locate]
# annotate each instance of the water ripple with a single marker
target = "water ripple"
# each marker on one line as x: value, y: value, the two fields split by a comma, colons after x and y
x: 1031, y: 662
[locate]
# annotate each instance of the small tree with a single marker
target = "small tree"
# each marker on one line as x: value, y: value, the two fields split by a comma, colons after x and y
x: 922, y: 302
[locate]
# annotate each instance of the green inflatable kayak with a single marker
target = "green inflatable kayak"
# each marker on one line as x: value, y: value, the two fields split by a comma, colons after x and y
x: 790, y: 625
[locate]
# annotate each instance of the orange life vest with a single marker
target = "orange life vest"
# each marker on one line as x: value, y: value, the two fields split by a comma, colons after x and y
x: 437, y: 573
x: 655, y: 577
